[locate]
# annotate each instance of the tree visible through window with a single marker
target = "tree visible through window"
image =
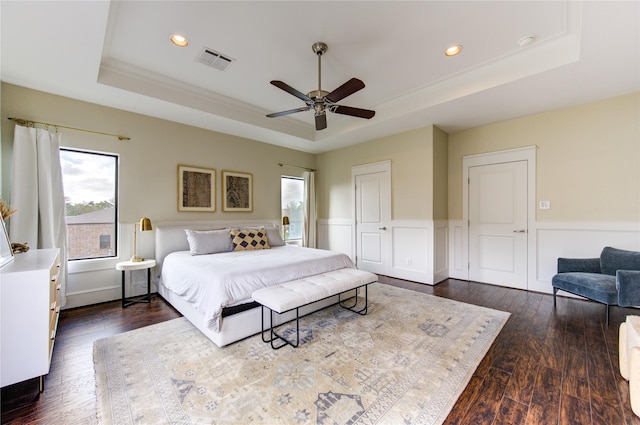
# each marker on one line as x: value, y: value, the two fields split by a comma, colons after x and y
x: 90, y: 182
x: 292, y: 197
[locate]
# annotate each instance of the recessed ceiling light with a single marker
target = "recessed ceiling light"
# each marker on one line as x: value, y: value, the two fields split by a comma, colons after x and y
x: 179, y: 40
x: 453, y: 50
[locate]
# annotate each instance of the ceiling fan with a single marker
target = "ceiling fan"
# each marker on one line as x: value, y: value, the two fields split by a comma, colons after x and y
x: 320, y: 100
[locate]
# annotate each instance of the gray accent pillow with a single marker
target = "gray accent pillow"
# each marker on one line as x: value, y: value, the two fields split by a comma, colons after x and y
x: 208, y: 241
x: 273, y: 236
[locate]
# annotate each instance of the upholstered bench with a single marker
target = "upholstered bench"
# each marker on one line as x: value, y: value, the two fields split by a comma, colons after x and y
x: 629, y: 356
x: 292, y: 295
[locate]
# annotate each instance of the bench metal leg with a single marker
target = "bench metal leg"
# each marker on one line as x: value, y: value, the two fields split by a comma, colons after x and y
x: 363, y: 310
x: 273, y: 335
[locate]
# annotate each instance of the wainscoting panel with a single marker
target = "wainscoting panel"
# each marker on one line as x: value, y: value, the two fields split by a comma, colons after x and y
x: 441, y: 251
x: 419, y: 248
x: 411, y: 250
x: 457, y: 267
x: 336, y: 235
x: 553, y: 240
x: 577, y: 240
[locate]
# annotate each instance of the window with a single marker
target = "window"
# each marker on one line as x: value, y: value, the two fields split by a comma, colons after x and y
x: 292, y: 196
x: 90, y: 182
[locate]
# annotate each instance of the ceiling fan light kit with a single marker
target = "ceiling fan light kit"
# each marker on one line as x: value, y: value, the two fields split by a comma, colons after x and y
x: 321, y: 100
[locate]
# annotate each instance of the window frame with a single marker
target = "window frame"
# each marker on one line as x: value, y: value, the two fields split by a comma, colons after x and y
x: 301, y: 238
x: 108, y: 260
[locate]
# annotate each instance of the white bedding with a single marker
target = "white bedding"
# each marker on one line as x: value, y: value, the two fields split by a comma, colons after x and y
x: 212, y: 282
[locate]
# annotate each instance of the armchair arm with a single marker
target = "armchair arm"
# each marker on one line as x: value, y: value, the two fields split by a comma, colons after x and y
x: 587, y: 265
x: 628, y: 286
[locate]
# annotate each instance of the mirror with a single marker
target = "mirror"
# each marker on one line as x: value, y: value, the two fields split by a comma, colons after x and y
x: 6, y: 254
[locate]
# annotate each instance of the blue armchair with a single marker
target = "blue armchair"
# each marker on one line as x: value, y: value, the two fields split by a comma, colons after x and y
x: 612, y: 279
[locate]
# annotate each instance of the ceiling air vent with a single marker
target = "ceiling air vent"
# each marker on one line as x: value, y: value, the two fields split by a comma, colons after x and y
x: 214, y: 59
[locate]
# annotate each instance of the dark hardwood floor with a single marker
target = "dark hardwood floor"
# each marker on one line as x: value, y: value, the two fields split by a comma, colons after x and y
x: 546, y: 367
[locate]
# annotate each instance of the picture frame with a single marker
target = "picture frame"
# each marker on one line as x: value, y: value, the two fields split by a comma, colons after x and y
x: 6, y: 253
x: 237, y: 191
x: 196, y: 189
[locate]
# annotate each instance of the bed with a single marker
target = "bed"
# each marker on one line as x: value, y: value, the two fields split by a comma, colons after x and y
x: 210, y: 283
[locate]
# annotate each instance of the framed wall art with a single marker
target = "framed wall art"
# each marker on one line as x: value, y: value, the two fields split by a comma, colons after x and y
x: 196, y: 189
x: 237, y: 191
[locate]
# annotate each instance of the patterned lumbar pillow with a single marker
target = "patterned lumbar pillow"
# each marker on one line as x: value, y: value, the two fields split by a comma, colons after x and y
x: 244, y: 239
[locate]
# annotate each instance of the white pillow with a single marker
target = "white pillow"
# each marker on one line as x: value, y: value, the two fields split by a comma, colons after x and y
x: 208, y: 241
x: 273, y: 236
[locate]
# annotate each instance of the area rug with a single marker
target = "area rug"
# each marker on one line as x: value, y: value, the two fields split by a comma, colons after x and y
x: 405, y: 362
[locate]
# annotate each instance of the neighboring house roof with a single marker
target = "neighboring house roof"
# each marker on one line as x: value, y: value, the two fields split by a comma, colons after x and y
x: 95, y: 217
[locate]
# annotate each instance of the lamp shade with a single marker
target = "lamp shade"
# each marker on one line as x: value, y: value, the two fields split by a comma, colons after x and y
x: 145, y: 224
x: 285, y: 221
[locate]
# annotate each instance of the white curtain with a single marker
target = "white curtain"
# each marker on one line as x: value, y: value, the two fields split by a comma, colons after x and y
x: 309, y: 235
x: 37, y: 194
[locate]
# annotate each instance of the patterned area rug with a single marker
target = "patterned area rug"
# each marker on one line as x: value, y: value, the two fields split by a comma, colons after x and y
x: 405, y: 362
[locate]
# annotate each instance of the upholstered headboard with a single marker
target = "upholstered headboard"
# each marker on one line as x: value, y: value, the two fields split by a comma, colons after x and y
x: 171, y: 237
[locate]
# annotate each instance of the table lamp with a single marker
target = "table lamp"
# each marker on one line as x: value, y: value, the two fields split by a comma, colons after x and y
x: 145, y: 224
x: 285, y: 227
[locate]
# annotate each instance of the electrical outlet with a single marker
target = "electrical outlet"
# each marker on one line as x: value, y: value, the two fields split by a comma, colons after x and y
x: 409, y: 261
x: 545, y: 205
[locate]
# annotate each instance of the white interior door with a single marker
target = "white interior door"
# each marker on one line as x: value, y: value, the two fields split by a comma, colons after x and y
x: 498, y: 224
x: 373, y: 219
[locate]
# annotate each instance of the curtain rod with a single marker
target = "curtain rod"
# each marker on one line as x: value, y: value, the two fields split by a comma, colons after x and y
x: 46, y: 124
x: 296, y: 166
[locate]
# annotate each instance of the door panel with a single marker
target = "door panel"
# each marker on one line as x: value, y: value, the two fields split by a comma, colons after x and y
x: 371, y: 248
x: 370, y: 200
x: 498, y: 224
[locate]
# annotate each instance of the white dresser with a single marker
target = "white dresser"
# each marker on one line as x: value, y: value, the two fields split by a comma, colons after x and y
x: 29, y: 310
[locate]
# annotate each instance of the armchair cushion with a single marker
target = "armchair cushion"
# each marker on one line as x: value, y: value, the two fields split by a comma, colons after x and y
x: 628, y: 286
x: 612, y: 260
x: 587, y: 265
x: 595, y: 286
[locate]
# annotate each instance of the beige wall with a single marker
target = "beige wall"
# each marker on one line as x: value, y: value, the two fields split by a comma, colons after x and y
x: 440, y: 174
x: 588, y: 159
x: 411, y: 154
x: 148, y: 162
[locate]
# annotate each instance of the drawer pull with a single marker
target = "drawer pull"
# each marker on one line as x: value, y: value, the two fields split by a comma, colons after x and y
x: 53, y: 334
x: 53, y: 306
x: 59, y: 286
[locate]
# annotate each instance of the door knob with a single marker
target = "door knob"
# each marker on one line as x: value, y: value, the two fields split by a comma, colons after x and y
x: 520, y: 231
x: 382, y: 228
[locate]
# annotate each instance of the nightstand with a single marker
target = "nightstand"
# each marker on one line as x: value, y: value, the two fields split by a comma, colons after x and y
x: 136, y: 265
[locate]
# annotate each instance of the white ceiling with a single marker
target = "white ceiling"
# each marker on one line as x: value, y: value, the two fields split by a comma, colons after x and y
x: 118, y: 54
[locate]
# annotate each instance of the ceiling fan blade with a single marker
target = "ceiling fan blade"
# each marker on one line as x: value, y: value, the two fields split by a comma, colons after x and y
x: 286, y: 87
x: 321, y: 121
x: 290, y: 111
x: 347, y: 89
x: 354, y: 112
